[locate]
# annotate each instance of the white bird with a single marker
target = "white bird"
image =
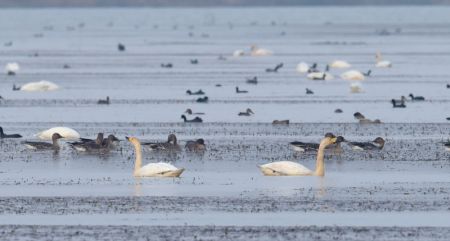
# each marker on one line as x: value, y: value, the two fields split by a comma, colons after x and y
x: 320, y: 76
x: 42, y: 85
x: 340, y: 64
x: 65, y: 132
x: 160, y: 169
x: 380, y: 63
x: 288, y: 168
x: 352, y: 75
x: 356, y: 87
x: 302, y: 67
x: 12, y: 68
x: 256, y: 51
x: 238, y: 53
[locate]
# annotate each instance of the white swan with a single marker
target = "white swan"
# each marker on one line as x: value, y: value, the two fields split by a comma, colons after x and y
x: 160, y: 169
x: 288, y: 168
x: 380, y: 63
x: 42, y: 85
x: 12, y: 68
x: 320, y: 76
x: 238, y: 53
x: 256, y: 51
x: 352, y: 75
x: 356, y: 87
x: 340, y: 64
x: 65, y: 132
x: 302, y: 67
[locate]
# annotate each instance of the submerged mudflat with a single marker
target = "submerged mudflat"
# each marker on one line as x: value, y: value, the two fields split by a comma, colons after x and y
x: 398, y: 193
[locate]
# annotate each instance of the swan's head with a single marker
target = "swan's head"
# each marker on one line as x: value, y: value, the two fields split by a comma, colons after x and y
x: 133, y: 140
x: 329, y: 139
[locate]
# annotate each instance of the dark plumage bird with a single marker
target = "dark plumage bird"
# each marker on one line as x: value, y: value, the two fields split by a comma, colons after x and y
x: 280, y: 122
x: 448, y: 86
x: 198, y: 92
x: 416, y: 98
x: 15, y: 88
x: 98, y: 140
x: 99, y: 145
x: 368, y: 73
x: 194, y: 61
x: 238, y: 91
x: 338, y: 111
x: 121, y: 47
x: 323, y: 77
x: 104, y: 102
x: 170, y: 145
x: 189, y: 112
x: 202, y: 99
x: 304, y: 146
x: 168, y: 65
x: 247, y: 112
x: 376, y: 144
x: 3, y: 135
x: 195, y: 120
x: 359, y: 116
x: 44, y: 145
x: 313, y: 68
x: 274, y: 70
x: 447, y: 145
x: 66, y: 66
x: 197, y: 145
x: 399, y: 103
x: 309, y: 92
x: 253, y: 80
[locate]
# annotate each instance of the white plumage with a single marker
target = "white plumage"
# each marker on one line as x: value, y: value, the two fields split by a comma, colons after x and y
x: 302, y: 67
x: 65, y: 132
x: 340, y: 64
x: 12, y: 67
x: 42, y: 85
x: 352, y: 75
x: 156, y: 169
x: 285, y: 168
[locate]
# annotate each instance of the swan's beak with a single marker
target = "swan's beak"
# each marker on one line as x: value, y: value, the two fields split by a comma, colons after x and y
x: 128, y: 138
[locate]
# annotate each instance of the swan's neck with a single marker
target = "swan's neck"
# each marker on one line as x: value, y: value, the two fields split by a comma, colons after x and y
x: 320, y: 165
x: 138, y: 162
x: 55, y: 143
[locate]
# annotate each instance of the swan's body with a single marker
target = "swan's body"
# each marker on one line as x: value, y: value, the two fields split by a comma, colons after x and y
x: 352, y: 75
x: 256, y: 51
x: 340, y: 64
x: 302, y: 67
x: 160, y: 169
x: 12, y: 68
x: 288, y: 168
x: 355, y: 88
x: 320, y: 76
x: 380, y: 63
x: 42, y: 85
x: 65, y: 132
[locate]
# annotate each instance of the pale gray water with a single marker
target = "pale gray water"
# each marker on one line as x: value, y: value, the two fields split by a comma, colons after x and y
x: 399, y: 193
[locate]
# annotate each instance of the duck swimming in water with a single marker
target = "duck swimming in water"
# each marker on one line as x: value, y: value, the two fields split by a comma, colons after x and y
x: 416, y: 98
x: 190, y: 112
x: 202, y: 99
x: 44, y: 145
x: 198, y: 92
x: 160, y: 169
x: 253, y: 80
x: 399, y: 103
x: 170, y: 145
x: 102, y: 147
x: 305, y: 146
x: 3, y: 135
x: 288, y: 168
x: 197, y: 145
x: 98, y: 140
x: 376, y: 144
x: 121, y: 47
x: 167, y: 66
x: 195, y: 120
x: 280, y: 122
x: 275, y: 69
x: 309, y: 92
x: 247, y: 112
x: 104, y: 102
x: 238, y: 91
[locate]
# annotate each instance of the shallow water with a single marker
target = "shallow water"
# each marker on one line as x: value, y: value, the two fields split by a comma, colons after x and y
x: 399, y: 193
